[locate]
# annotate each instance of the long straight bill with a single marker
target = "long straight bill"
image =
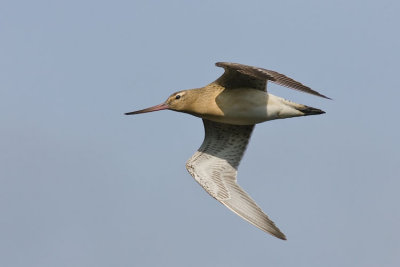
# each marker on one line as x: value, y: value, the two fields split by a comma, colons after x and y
x: 151, y: 109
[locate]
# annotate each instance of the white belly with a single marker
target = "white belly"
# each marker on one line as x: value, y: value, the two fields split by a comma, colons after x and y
x: 250, y: 106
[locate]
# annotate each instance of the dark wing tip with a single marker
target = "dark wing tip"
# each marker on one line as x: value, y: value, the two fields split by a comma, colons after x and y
x: 321, y: 95
x: 282, y: 236
x: 324, y: 96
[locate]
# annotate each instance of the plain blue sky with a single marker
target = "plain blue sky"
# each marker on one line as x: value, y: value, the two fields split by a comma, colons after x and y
x: 83, y: 185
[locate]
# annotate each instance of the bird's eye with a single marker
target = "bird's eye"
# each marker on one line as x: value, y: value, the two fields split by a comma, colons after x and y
x: 177, y: 96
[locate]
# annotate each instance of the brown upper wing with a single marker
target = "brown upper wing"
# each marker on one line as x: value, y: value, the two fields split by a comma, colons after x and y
x: 239, y: 76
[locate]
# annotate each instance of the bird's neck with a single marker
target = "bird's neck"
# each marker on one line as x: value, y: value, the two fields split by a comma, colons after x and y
x: 202, y: 100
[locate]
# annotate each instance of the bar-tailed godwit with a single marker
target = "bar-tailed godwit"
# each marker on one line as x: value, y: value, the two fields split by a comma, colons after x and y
x: 230, y: 107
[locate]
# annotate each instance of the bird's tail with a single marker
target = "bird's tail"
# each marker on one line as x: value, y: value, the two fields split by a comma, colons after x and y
x: 306, y: 110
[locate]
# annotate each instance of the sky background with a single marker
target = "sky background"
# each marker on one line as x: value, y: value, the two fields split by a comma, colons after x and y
x: 83, y: 185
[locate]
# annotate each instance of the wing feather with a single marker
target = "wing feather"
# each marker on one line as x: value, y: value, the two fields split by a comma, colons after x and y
x: 239, y: 76
x: 214, y: 167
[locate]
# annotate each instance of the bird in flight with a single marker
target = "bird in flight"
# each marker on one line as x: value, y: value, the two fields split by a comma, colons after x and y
x: 230, y: 107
